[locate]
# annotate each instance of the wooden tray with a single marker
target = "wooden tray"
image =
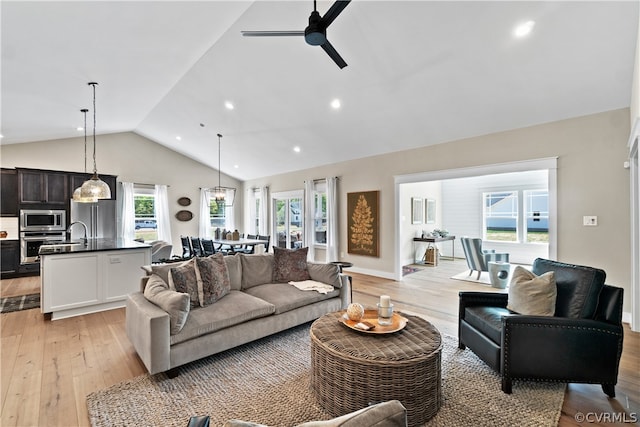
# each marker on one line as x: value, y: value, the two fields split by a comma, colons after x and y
x: 397, y: 323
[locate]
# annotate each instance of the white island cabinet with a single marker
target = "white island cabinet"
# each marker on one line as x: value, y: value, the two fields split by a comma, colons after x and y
x: 92, y: 278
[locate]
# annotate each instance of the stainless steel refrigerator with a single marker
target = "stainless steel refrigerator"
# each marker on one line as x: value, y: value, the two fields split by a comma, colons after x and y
x: 99, y: 217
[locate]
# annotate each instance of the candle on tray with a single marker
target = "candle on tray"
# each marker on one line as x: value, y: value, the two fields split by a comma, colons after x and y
x: 385, y: 301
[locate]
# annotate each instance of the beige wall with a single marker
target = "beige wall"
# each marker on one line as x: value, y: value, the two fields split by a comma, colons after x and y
x: 132, y: 158
x: 591, y: 181
x: 635, y: 85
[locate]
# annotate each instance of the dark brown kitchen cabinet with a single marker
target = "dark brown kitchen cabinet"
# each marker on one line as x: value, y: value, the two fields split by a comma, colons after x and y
x: 9, y: 193
x: 9, y: 256
x: 43, y: 187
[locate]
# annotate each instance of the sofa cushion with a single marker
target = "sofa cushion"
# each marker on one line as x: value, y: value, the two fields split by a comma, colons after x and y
x: 213, y: 278
x: 325, y: 273
x: 286, y: 297
x: 257, y: 269
x: 183, y: 279
x: 237, y: 307
x: 234, y: 267
x: 530, y: 294
x: 290, y: 265
x: 176, y: 304
x: 578, y: 287
x: 487, y: 320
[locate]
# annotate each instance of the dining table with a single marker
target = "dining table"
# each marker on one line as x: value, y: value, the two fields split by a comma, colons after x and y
x: 241, y: 242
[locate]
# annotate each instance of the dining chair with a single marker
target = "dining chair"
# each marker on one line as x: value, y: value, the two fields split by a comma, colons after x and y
x: 208, y: 248
x: 196, y: 246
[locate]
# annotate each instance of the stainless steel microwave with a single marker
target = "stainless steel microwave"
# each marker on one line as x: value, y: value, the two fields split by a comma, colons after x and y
x: 43, y: 220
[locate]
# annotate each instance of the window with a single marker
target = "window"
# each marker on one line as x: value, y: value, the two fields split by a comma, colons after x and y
x: 320, y: 213
x: 537, y: 217
x: 504, y: 211
x: 146, y: 224
x: 219, y: 216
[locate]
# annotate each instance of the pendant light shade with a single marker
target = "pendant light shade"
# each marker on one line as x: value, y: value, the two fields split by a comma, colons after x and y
x: 77, y: 193
x: 95, y: 187
x: 224, y: 196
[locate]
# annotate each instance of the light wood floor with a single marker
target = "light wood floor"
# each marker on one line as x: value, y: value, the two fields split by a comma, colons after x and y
x: 47, y: 368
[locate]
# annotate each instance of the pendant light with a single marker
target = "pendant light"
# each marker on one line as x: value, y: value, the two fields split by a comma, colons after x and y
x: 224, y: 196
x: 95, y: 187
x: 77, y: 193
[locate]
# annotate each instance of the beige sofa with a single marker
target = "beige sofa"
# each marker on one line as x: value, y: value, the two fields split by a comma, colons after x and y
x: 254, y: 307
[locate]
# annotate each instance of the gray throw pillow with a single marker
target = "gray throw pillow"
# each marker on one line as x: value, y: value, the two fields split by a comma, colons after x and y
x: 532, y: 295
x: 176, y: 304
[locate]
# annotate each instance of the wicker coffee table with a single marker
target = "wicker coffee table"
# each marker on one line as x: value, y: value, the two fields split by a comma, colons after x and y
x: 351, y: 370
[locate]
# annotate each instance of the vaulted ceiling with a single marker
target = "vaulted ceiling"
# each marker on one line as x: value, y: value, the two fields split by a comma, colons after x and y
x: 419, y: 73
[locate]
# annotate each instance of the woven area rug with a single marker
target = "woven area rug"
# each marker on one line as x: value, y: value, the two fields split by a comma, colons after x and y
x: 268, y: 382
x: 22, y: 302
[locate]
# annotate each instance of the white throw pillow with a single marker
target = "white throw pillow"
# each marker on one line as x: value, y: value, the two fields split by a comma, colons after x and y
x: 532, y: 295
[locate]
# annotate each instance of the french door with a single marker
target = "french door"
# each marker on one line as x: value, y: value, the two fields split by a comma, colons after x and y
x: 288, y: 219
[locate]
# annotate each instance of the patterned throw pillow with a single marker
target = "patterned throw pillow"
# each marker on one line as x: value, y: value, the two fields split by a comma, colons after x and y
x: 183, y: 279
x: 290, y: 265
x: 213, y: 278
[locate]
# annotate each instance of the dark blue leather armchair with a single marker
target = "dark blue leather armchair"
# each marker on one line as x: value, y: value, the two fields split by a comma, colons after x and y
x: 581, y: 343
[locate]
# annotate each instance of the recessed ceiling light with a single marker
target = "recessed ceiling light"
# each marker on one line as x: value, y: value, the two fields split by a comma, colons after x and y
x: 335, y: 104
x: 236, y: 166
x: 179, y: 138
x: 296, y: 149
x: 229, y: 105
x: 79, y: 128
x: 524, y: 29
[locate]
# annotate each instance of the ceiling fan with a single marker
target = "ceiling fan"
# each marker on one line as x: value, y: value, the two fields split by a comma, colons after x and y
x: 316, y: 33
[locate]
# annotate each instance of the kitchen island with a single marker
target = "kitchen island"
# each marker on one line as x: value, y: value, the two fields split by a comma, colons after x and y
x: 78, y: 278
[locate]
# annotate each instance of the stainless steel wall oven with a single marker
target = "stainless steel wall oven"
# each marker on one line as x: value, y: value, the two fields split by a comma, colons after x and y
x: 37, y: 227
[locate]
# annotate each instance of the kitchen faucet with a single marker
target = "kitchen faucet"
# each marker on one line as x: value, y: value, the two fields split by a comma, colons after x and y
x: 84, y: 239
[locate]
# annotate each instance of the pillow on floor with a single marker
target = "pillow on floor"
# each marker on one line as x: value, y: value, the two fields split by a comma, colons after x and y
x: 213, y: 278
x: 183, y: 279
x: 290, y: 265
x: 532, y: 295
x: 176, y: 304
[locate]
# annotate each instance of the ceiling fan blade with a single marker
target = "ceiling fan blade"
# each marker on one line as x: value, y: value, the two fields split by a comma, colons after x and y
x: 334, y: 54
x: 334, y: 11
x: 272, y: 33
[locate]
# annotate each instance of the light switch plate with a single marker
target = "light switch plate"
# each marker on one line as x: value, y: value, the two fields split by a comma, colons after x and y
x: 590, y: 220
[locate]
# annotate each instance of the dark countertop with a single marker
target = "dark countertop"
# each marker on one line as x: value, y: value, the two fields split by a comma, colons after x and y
x: 93, y: 245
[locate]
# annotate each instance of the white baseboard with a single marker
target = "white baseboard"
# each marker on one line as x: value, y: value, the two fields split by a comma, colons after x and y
x: 626, y: 317
x: 376, y: 273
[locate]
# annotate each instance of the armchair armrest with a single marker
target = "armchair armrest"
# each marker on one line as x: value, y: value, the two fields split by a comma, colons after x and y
x: 490, y: 299
x: 147, y: 327
x: 560, y: 349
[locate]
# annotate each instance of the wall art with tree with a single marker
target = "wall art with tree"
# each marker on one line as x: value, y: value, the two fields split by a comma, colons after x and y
x: 363, y: 223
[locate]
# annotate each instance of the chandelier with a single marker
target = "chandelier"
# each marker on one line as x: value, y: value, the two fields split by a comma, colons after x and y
x: 224, y: 196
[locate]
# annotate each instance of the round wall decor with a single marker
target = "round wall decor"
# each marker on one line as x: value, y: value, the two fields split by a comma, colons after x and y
x: 184, y: 216
x: 184, y: 201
